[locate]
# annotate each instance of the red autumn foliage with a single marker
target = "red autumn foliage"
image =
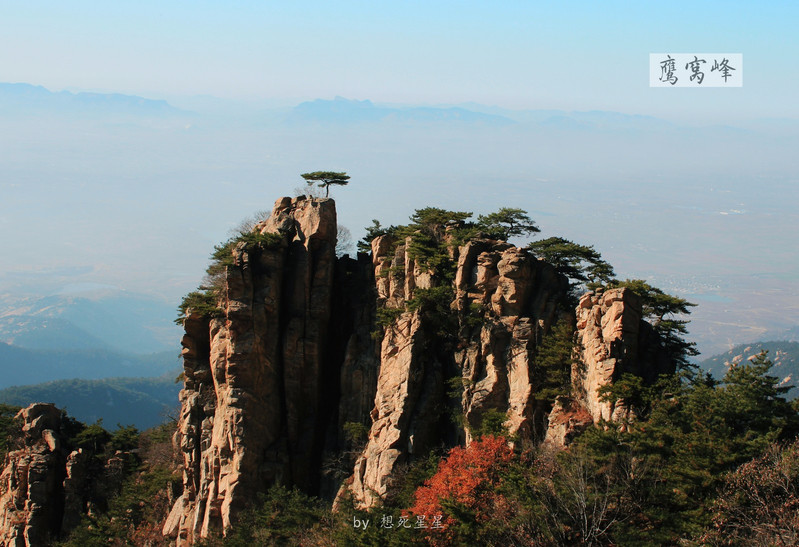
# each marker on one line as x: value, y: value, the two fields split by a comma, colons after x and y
x: 468, y: 477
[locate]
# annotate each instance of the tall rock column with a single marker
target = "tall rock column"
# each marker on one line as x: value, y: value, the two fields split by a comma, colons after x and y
x: 250, y: 413
x: 409, y: 383
x: 608, y: 326
x: 522, y: 297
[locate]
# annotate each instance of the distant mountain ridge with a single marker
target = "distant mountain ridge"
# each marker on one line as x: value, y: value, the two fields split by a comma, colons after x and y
x: 341, y: 110
x: 21, y: 98
x: 111, y: 320
x: 783, y: 354
x: 143, y: 402
x: 346, y: 111
x: 790, y: 334
x: 23, y: 366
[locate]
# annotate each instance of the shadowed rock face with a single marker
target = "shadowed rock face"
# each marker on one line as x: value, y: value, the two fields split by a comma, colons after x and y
x: 290, y: 360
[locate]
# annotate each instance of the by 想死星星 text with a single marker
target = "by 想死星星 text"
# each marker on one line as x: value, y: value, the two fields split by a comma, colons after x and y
x: 389, y: 522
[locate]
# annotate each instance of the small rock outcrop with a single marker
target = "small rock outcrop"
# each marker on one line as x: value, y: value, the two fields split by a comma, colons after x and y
x: 31, y: 484
x: 612, y: 339
x: 567, y: 419
x: 42, y: 483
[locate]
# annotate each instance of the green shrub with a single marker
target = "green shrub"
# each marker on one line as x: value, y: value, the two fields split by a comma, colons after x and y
x: 279, y: 517
x: 492, y: 422
x: 433, y: 305
x: 355, y: 432
x: 372, y: 232
x: 203, y: 302
x: 552, y: 363
x: 475, y: 315
x: 9, y: 428
x: 222, y: 256
x: 386, y: 316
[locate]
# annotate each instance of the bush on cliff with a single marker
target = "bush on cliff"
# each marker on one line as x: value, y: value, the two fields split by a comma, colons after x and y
x: 202, y: 302
x: 506, y: 223
x: 663, y: 312
x: 582, y: 264
x: 9, y: 428
x: 280, y: 516
x: 205, y: 299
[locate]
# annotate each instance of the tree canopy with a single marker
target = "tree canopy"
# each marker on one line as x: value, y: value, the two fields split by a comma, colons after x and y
x: 507, y: 222
x: 326, y: 178
x: 373, y: 231
x: 428, y: 219
x: 580, y: 263
x: 661, y: 309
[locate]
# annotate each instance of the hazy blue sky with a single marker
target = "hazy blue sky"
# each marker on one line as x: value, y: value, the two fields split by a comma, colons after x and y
x: 520, y: 54
x: 138, y: 202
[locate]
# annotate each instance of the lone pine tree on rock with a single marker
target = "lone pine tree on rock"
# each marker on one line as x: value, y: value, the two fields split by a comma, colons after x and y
x: 326, y: 178
x: 508, y: 222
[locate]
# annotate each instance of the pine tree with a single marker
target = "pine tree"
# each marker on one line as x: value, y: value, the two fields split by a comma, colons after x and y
x: 326, y: 178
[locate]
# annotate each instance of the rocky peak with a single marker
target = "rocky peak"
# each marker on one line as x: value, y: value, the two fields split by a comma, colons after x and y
x: 502, y: 302
x: 437, y: 334
x: 418, y: 348
x: 254, y: 407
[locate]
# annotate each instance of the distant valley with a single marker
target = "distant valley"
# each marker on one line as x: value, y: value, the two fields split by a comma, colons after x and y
x: 23, y: 366
x: 120, y: 186
x: 143, y: 402
x: 98, y: 319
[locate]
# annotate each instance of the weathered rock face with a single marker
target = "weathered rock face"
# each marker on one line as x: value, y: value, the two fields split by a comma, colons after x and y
x: 612, y: 339
x: 46, y: 486
x: 259, y: 391
x: 567, y: 419
x: 524, y: 297
x: 505, y: 301
x: 30, y: 486
x: 41, y: 482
